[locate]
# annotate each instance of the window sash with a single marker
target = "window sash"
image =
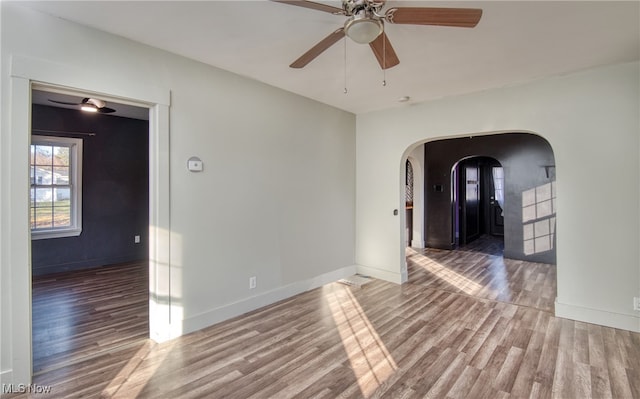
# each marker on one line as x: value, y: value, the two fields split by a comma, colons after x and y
x: 55, y: 190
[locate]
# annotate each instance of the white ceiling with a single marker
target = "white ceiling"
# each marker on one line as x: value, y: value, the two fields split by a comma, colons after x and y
x: 515, y: 41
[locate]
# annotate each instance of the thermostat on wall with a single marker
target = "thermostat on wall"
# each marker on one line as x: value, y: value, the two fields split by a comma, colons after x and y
x: 194, y: 164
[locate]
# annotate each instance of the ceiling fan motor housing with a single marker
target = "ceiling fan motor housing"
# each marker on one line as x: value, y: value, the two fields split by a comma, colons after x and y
x: 352, y: 7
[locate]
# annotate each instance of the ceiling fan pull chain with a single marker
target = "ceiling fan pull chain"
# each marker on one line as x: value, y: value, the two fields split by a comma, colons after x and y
x: 345, y: 65
x: 384, y: 59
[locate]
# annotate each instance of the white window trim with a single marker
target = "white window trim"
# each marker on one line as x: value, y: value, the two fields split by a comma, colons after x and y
x: 75, y: 156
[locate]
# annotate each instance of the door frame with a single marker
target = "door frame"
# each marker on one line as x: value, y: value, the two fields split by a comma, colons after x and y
x: 15, y: 239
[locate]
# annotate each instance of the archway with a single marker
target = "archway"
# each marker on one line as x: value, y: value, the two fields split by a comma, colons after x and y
x: 529, y: 191
x: 510, y: 175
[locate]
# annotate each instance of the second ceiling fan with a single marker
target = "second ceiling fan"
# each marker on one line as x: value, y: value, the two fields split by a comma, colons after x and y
x: 365, y: 24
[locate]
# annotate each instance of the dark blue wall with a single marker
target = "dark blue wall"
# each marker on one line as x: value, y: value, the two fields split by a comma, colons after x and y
x: 115, y: 192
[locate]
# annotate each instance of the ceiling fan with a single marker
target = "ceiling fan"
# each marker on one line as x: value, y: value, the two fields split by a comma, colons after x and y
x: 90, y: 105
x: 365, y: 24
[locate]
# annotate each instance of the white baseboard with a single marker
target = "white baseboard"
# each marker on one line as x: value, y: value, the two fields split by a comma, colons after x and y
x: 381, y: 274
x: 238, y: 308
x: 600, y: 317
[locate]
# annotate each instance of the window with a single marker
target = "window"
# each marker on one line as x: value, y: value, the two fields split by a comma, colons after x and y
x: 498, y: 185
x: 56, y: 192
x: 409, y: 184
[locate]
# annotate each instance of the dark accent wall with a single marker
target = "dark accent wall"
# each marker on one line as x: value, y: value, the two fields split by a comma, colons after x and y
x: 115, y: 191
x: 523, y: 157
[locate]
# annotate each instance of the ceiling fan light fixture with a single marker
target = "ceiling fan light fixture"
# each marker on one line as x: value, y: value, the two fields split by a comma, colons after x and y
x: 363, y: 29
x: 89, y: 108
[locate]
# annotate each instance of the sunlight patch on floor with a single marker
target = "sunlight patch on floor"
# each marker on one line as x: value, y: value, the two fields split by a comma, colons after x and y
x: 130, y: 381
x: 453, y: 278
x: 370, y: 360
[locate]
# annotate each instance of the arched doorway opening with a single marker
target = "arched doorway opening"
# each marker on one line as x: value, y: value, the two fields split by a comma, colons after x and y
x: 489, y: 210
x: 528, y: 209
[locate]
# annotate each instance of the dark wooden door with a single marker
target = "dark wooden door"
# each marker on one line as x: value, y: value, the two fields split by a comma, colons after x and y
x: 469, y: 201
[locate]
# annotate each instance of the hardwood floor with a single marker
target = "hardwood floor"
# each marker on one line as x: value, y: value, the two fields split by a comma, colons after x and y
x: 426, y: 338
x: 78, y: 315
x: 479, y: 269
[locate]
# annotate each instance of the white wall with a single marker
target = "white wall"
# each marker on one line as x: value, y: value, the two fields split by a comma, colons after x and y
x: 592, y: 121
x: 276, y: 199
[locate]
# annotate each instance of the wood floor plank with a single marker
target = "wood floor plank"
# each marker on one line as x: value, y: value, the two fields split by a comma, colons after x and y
x: 600, y: 387
x: 526, y: 373
x: 468, y: 324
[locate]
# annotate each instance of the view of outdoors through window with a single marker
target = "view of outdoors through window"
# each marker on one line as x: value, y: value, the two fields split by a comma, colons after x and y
x: 50, y: 186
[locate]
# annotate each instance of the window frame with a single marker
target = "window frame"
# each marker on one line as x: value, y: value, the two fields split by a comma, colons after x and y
x: 75, y: 184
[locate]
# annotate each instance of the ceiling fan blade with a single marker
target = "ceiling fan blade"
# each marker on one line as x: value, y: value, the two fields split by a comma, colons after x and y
x: 63, y: 102
x: 106, y: 110
x: 459, y: 17
x: 312, y: 5
x: 384, y: 52
x: 318, y: 49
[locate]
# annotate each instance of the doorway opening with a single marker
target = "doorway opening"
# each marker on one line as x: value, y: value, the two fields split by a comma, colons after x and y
x: 478, y: 199
x: 489, y: 217
x: 28, y: 73
x: 90, y: 287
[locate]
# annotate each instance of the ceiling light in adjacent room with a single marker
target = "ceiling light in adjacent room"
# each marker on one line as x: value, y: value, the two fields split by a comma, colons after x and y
x: 89, y: 108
